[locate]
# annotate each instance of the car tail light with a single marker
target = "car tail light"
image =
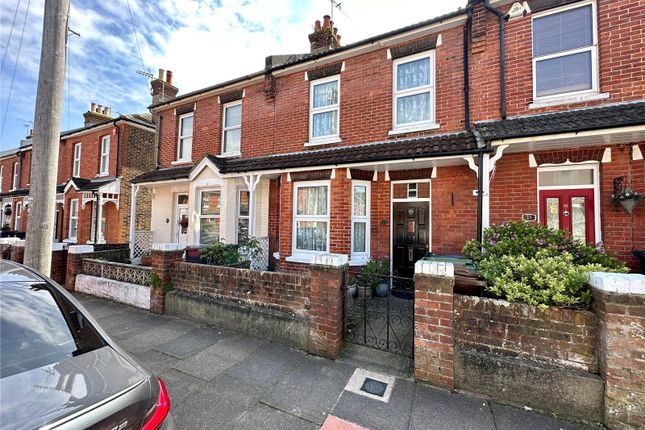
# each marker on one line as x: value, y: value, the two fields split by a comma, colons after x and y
x: 160, y: 410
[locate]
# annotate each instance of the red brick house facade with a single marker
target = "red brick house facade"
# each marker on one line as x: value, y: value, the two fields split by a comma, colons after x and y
x: 96, y: 163
x: 415, y: 140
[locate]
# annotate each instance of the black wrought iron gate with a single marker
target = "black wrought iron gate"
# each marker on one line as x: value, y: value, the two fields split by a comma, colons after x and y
x: 379, y: 313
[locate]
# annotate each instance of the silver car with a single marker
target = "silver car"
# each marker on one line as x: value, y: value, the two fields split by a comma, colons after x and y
x: 58, y: 368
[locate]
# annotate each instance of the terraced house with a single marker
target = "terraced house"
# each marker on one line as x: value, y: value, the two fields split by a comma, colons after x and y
x: 414, y: 140
x: 95, y: 165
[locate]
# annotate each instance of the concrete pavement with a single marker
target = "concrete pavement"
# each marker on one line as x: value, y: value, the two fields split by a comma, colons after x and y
x: 221, y: 379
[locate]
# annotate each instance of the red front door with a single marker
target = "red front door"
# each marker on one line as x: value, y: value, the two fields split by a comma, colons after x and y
x: 570, y: 210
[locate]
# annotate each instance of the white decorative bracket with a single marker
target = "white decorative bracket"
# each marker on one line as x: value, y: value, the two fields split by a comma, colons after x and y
x: 606, y: 156
x: 636, y: 153
x: 433, y: 175
x: 496, y: 157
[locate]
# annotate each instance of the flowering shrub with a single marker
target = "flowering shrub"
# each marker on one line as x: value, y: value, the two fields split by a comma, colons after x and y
x: 538, y: 265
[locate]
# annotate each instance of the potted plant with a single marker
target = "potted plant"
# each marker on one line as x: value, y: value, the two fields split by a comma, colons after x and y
x: 373, y: 279
x: 624, y: 196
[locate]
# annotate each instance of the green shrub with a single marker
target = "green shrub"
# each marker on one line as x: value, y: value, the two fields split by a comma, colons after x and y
x: 221, y: 254
x: 373, y: 272
x: 537, y: 265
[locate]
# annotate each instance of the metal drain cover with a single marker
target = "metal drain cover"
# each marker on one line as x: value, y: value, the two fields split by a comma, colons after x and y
x: 374, y: 387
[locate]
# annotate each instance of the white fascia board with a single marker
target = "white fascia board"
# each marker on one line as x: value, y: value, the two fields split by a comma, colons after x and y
x: 205, y: 162
x: 588, y: 133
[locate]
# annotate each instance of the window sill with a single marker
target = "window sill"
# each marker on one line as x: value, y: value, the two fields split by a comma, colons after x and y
x: 411, y: 129
x: 325, y: 141
x: 100, y: 175
x: 564, y: 100
x: 358, y: 261
x: 181, y: 162
x: 301, y: 258
x: 70, y: 240
x: 230, y: 154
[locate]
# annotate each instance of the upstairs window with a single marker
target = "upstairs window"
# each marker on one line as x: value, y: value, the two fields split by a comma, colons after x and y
x: 232, y: 128
x: 324, y: 110
x: 105, y: 155
x: 1, y: 178
x: 413, y: 100
x: 15, y: 181
x: 76, y: 169
x: 565, y: 52
x: 185, y: 139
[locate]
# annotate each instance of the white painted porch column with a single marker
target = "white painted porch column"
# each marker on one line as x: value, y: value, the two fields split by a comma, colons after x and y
x: 133, y: 214
x: 485, y: 191
x: 251, y: 182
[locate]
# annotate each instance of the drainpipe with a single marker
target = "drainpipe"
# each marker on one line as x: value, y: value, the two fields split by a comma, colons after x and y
x: 118, y: 148
x: 159, y: 142
x: 466, y: 71
x: 502, y: 63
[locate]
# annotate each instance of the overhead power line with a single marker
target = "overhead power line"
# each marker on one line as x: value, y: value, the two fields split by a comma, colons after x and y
x: 6, y: 48
x: 136, y: 38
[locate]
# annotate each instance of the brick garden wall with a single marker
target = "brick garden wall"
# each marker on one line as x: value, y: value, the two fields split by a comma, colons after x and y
x: 286, y: 292
x: 556, y: 336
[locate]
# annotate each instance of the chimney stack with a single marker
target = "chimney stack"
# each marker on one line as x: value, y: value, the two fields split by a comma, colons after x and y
x: 324, y: 37
x: 162, y: 88
x: 97, y: 114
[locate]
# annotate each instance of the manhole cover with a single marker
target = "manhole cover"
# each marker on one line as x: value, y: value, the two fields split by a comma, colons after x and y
x: 374, y: 387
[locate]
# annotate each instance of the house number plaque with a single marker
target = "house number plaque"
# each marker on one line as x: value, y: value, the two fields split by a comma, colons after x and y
x: 529, y: 217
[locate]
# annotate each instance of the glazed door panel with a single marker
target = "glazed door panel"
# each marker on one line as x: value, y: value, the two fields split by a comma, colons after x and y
x: 411, y: 235
x: 570, y: 210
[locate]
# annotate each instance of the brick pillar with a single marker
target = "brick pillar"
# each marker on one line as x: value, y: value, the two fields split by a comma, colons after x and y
x: 18, y: 251
x: 433, y: 337
x: 164, y: 257
x: 75, y: 256
x: 326, y: 305
x: 59, y: 266
x: 619, y: 301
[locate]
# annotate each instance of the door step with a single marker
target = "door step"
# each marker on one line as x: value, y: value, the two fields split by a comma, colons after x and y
x: 377, y: 360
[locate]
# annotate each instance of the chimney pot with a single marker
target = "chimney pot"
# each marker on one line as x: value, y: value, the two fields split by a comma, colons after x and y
x: 317, y: 25
x: 93, y: 107
x: 169, y: 77
x: 162, y: 74
x: 326, y: 21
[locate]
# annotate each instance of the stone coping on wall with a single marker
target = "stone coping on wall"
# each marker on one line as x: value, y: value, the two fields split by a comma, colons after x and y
x: 168, y: 246
x: 627, y: 283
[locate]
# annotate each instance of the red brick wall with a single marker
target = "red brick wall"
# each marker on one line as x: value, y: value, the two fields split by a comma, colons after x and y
x: 561, y: 337
x: 279, y: 291
x: 621, y: 49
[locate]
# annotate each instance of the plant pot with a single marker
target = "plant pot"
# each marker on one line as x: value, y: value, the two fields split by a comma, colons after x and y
x: 365, y: 291
x: 352, y: 291
x: 628, y: 205
x: 382, y: 289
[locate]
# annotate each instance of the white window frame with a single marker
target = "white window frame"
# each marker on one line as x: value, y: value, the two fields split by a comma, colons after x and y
x: 1, y: 178
x: 76, y: 166
x: 102, y: 227
x: 593, y: 48
x: 332, y: 138
x: 73, y: 204
x: 361, y: 257
x: 239, y: 215
x: 304, y: 255
x: 16, y: 219
x: 431, y: 88
x: 187, y: 158
x: 202, y: 216
x: 413, y: 193
x: 587, y: 165
x: 15, y: 176
x: 104, y: 167
x: 225, y: 129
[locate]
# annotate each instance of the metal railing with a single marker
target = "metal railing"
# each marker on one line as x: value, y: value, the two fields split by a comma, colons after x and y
x: 121, y: 272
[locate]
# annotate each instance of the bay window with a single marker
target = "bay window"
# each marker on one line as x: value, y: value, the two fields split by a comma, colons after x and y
x: 232, y: 128
x: 565, y: 52
x: 360, y: 220
x: 243, y: 216
x: 324, y: 110
x: 311, y: 217
x: 414, y: 94
x: 73, y: 219
x: 209, y: 216
x: 185, y: 138
x: 105, y: 155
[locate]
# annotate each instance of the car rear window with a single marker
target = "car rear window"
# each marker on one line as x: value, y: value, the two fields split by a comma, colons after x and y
x: 39, y: 326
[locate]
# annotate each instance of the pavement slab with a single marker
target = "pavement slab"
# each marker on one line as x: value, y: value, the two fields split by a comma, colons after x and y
x: 439, y: 409
x: 267, y: 366
x: 180, y: 385
x: 267, y: 418
x: 511, y: 418
x: 154, y: 360
x: 311, y: 390
x: 165, y: 331
x: 192, y: 342
x: 375, y: 414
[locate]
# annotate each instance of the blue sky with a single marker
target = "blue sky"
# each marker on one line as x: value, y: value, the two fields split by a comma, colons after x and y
x: 202, y: 42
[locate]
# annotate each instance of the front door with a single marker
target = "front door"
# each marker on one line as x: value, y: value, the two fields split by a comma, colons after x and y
x: 411, y: 235
x: 570, y: 210
x: 181, y: 219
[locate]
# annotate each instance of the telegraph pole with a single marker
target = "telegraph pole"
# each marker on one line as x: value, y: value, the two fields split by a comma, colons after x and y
x: 44, y: 163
